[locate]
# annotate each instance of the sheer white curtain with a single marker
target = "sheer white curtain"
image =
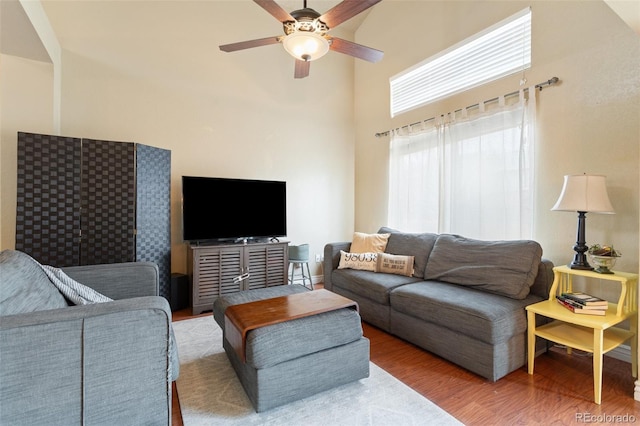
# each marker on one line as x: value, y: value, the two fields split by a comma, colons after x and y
x: 466, y: 174
x: 414, y: 183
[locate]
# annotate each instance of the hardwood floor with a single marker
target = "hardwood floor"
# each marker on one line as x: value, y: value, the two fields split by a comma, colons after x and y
x: 559, y: 393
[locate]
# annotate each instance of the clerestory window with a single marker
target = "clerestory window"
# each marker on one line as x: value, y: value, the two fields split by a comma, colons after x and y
x: 500, y: 50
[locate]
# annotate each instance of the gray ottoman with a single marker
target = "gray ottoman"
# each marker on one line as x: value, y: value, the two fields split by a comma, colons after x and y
x: 295, y: 359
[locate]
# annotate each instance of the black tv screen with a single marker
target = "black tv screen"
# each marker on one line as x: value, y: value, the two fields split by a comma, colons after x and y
x: 224, y: 209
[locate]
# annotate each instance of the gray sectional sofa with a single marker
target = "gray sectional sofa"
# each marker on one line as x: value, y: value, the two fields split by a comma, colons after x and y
x: 465, y: 300
x: 104, y: 363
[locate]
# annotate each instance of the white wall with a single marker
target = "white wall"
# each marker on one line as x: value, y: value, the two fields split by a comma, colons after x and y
x: 26, y: 103
x: 231, y: 115
x: 589, y: 123
x: 158, y: 78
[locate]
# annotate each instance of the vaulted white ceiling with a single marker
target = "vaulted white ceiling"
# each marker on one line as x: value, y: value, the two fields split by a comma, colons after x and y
x: 97, y: 19
x: 628, y: 10
x: 18, y: 37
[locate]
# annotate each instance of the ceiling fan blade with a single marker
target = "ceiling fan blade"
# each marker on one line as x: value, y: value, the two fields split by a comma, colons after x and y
x: 345, y: 10
x: 301, y: 69
x: 356, y: 50
x: 275, y: 10
x: 241, y: 45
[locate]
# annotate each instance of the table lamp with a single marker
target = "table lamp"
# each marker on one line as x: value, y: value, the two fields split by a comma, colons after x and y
x: 583, y: 193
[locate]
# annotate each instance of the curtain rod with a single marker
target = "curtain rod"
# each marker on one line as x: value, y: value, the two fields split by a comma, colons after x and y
x: 540, y: 86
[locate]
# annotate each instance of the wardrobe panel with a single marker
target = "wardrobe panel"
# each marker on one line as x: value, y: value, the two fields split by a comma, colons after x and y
x: 153, y: 215
x: 48, y: 198
x: 108, y: 202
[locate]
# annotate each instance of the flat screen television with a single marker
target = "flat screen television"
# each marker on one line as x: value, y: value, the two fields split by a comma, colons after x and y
x: 221, y: 209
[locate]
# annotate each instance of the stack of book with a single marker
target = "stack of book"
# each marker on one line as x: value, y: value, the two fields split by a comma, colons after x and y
x: 582, y: 303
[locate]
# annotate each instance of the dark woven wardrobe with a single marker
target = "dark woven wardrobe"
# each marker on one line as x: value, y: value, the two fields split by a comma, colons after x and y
x: 85, y: 201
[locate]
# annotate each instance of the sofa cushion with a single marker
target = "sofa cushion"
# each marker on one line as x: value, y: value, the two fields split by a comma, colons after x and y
x: 277, y: 343
x: 507, y: 268
x: 488, y: 317
x: 24, y: 286
x: 373, y: 286
x: 368, y: 243
x: 360, y: 261
x: 417, y: 245
x: 395, y: 264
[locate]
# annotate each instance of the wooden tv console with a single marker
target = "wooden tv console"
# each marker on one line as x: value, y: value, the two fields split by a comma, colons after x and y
x: 218, y: 269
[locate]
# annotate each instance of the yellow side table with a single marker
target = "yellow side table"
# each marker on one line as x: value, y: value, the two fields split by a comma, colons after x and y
x: 590, y: 333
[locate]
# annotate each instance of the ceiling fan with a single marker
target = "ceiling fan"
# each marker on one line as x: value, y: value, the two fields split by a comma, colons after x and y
x: 306, y: 33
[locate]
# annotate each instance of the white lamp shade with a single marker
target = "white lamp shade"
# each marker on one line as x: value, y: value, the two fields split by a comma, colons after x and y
x: 584, y: 193
x: 305, y: 45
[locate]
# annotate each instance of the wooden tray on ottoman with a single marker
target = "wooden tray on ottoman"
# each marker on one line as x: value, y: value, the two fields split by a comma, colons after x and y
x: 242, y: 318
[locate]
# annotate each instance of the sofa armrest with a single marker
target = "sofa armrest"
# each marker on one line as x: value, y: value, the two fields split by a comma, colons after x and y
x: 544, y: 279
x: 119, y: 280
x: 332, y: 260
x: 106, y: 363
x: 122, y: 308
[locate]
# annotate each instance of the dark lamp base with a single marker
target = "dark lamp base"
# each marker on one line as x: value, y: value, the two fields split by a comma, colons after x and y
x: 584, y: 267
x: 580, y: 258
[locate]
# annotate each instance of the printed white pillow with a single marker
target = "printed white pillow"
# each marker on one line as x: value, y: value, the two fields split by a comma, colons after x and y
x: 395, y: 264
x: 360, y: 261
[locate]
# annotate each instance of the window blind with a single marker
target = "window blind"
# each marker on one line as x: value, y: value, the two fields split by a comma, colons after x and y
x: 500, y: 50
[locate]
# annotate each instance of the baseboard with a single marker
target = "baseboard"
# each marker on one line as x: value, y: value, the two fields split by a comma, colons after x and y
x: 315, y: 279
x: 540, y: 352
x: 622, y: 352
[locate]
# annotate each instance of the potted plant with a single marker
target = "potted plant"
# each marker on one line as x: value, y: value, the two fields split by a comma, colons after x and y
x: 604, y: 257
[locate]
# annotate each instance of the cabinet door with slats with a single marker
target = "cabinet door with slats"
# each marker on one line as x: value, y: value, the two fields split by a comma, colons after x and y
x: 214, y: 271
x: 267, y: 265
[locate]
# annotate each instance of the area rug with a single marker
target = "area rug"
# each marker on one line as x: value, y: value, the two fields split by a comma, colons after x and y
x: 211, y: 394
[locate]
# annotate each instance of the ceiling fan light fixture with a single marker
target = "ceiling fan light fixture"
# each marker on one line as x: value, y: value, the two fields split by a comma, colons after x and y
x: 305, y: 45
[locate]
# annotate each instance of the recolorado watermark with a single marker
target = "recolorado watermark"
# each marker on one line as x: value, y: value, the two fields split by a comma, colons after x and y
x: 605, y: 418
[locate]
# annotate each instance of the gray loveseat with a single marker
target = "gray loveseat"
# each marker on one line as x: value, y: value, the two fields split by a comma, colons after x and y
x: 465, y: 300
x: 104, y: 363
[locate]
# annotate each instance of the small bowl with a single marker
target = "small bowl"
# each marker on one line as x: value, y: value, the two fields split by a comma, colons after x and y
x: 603, y: 263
